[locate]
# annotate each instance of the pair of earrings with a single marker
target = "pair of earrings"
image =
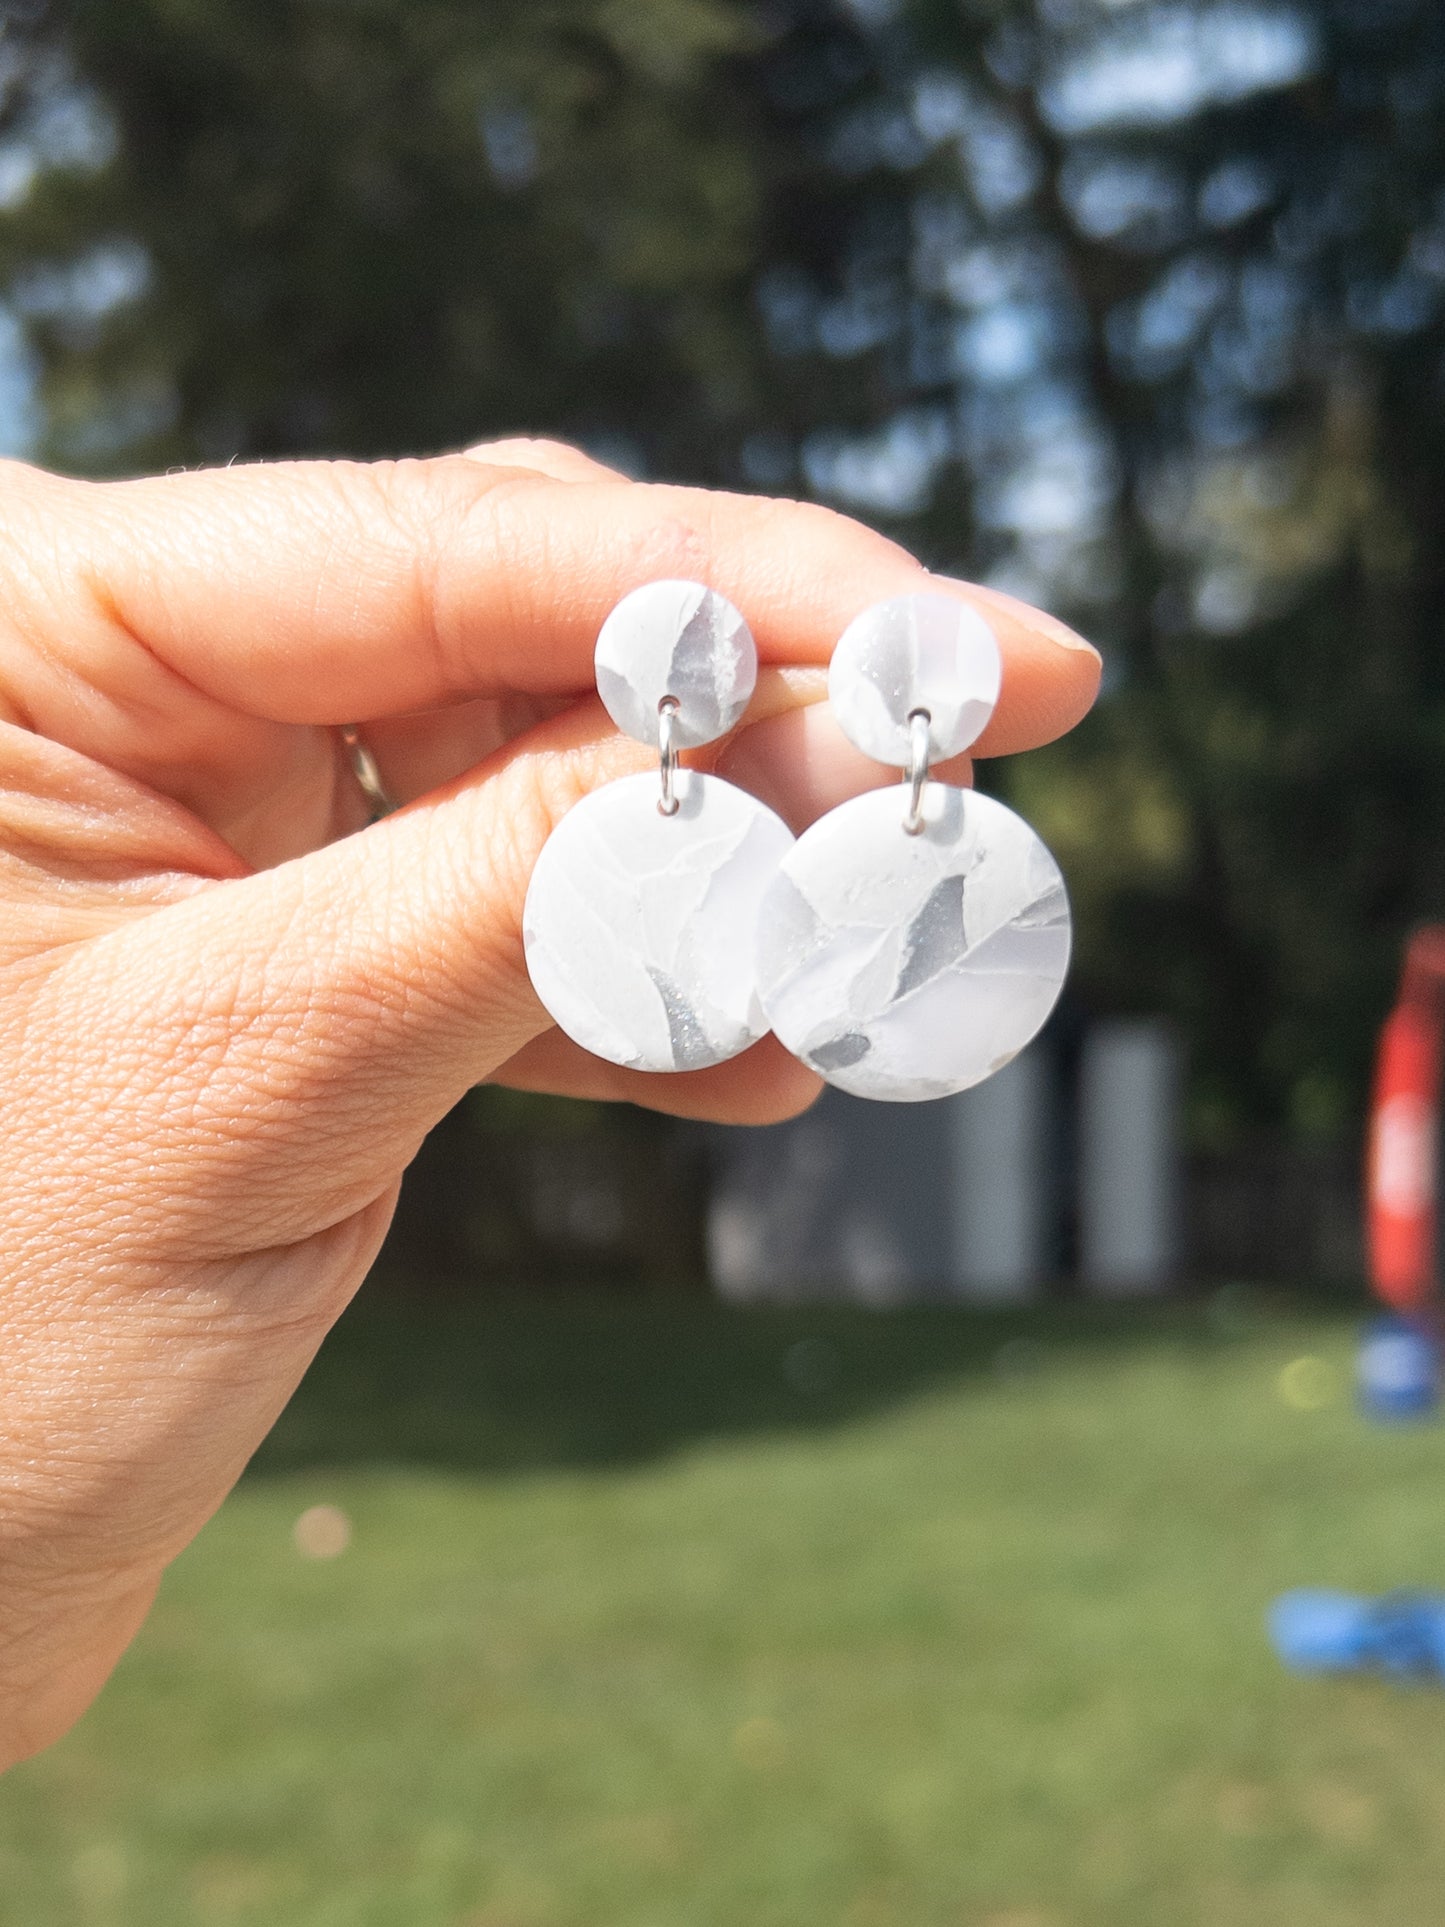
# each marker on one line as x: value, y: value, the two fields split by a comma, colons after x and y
x: 905, y: 947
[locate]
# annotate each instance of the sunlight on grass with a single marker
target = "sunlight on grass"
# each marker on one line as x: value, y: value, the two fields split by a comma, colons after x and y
x: 638, y: 1615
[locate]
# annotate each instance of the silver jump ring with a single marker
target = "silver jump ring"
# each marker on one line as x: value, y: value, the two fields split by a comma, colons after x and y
x: 368, y: 777
x: 918, y: 725
x: 666, y: 725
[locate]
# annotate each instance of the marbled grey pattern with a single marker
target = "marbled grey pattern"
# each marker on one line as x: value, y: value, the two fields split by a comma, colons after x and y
x: 909, y: 967
x: 928, y: 652
x: 640, y: 929
x: 681, y: 640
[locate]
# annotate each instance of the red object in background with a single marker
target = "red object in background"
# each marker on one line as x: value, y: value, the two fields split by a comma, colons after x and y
x: 1401, y: 1169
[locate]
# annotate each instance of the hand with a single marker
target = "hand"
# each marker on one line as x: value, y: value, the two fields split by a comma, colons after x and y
x: 226, y: 1023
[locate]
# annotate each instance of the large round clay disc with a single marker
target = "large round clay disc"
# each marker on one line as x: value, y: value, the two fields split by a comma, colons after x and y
x: 908, y: 967
x: 640, y: 929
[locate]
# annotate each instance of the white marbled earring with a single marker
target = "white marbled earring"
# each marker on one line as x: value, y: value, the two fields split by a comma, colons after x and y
x: 913, y: 942
x: 641, y: 916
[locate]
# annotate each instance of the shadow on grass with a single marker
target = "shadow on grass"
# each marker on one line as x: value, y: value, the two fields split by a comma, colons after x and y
x: 510, y: 1385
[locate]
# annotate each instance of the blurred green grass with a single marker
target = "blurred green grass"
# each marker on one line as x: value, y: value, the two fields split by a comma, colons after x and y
x: 657, y: 1614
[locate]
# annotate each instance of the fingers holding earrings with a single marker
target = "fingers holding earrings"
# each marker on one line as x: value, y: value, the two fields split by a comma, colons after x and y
x: 907, y: 946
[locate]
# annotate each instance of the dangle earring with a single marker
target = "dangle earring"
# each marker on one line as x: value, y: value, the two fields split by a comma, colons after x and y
x: 913, y: 942
x: 641, y: 916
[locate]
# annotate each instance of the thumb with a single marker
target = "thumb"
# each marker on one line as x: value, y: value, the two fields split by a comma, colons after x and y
x: 259, y: 1060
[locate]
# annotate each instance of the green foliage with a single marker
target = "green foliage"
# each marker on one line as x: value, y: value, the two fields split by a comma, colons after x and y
x: 380, y: 227
x: 1177, y: 367
x: 1139, y: 311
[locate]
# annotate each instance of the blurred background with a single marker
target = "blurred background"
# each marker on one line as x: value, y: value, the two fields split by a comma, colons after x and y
x: 926, y: 1586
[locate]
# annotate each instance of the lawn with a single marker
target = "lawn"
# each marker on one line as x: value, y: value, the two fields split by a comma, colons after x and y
x: 660, y: 1615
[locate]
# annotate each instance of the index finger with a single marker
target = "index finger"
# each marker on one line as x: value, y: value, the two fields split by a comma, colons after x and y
x: 322, y: 592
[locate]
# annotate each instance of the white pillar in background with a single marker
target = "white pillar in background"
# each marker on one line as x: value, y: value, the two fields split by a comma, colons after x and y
x: 999, y: 1191
x: 1129, y: 1098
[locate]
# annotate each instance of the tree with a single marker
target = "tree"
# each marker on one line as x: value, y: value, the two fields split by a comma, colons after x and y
x: 1136, y: 309
x: 257, y: 228
x: 1164, y: 289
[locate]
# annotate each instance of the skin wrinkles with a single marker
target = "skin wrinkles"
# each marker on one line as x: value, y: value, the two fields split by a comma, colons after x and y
x: 226, y: 1022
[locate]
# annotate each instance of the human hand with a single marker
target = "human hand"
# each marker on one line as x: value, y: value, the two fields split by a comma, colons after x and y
x: 226, y: 1023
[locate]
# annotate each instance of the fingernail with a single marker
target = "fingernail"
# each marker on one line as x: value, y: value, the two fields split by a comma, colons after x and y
x: 1038, y: 620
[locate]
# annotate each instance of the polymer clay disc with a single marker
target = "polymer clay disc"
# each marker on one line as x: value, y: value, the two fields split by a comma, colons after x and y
x: 640, y: 929
x: 908, y: 967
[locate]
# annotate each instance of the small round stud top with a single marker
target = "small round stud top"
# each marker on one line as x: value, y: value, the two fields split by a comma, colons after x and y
x: 918, y: 653
x: 681, y: 644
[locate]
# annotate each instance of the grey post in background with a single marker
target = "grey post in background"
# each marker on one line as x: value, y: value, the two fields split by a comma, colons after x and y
x: 999, y: 1195
x: 850, y: 1201
x: 892, y: 1203
x: 1129, y: 1206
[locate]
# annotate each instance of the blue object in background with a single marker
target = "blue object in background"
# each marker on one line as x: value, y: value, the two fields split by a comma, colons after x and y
x: 1401, y: 1633
x: 1398, y: 1370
